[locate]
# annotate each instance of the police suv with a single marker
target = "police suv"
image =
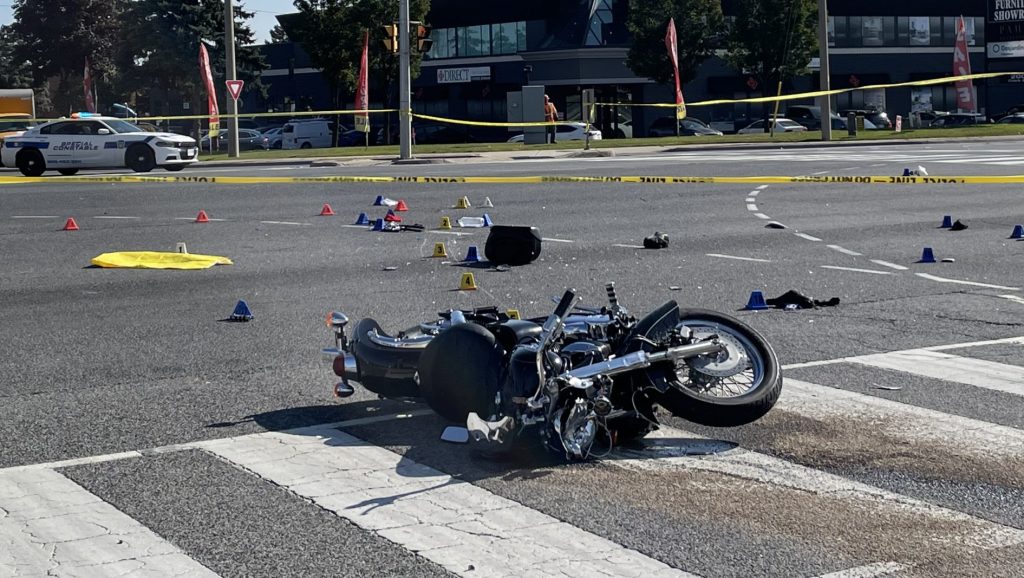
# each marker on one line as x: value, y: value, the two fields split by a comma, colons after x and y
x: 95, y: 142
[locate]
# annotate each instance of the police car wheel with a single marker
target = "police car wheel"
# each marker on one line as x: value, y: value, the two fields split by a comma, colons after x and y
x: 140, y: 159
x: 68, y: 172
x: 174, y: 168
x: 30, y: 162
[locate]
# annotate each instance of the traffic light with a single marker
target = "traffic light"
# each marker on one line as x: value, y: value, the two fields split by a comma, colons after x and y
x: 391, y: 38
x: 423, y: 40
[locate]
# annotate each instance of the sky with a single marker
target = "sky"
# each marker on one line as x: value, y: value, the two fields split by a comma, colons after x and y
x: 261, y: 23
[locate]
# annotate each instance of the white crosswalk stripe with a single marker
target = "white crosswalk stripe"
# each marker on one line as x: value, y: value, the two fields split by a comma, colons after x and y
x: 51, y: 524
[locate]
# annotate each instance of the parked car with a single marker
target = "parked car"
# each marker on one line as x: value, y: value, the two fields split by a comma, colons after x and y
x: 928, y: 117
x: 572, y: 131
x: 1017, y: 109
x: 308, y: 133
x: 247, y: 140
x: 442, y: 134
x: 959, y: 119
x: 1016, y: 118
x: 689, y: 126
x: 274, y: 137
x: 839, y: 123
x: 781, y: 125
x: 877, y: 117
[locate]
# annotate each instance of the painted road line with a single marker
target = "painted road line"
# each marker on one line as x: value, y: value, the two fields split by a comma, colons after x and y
x: 889, y: 265
x: 869, y: 571
x: 1014, y: 298
x: 196, y: 445
x: 751, y: 207
x: 557, y: 240
x: 720, y: 256
x: 754, y: 193
x: 971, y: 283
x: 211, y: 219
x: 1002, y: 341
x: 629, y: 246
x: 35, y: 217
x: 52, y: 526
x: 286, y: 223
x: 806, y: 236
x: 762, y: 187
x: 819, y: 173
x: 761, y: 216
x: 844, y: 250
x: 936, y: 365
x: 464, y: 528
x: 751, y: 198
x: 856, y: 270
x: 113, y: 217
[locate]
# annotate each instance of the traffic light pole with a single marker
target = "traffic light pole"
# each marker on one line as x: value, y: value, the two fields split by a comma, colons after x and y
x: 826, y: 101
x: 230, y: 74
x: 404, y: 84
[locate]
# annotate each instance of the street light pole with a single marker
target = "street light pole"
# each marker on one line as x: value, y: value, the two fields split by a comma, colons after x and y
x: 404, y: 82
x: 826, y: 101
x: 230, y: 74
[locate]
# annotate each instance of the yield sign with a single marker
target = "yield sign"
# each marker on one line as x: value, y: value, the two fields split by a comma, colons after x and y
x: 234, y: 88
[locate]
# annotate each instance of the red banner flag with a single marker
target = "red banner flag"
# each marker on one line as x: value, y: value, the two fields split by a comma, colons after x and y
x: 90, y: 100
x: 362, y: 91
x: 673, y: 54
x: 962, y: 67
x: 211, y: 94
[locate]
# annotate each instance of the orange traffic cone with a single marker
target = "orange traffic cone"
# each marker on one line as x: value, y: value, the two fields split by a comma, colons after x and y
x: 202, y: 218
x: 327, y: 211
x: 71, y: 225
x: 401, y: 206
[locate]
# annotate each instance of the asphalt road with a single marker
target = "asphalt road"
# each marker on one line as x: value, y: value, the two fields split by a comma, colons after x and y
x: 903, y: 464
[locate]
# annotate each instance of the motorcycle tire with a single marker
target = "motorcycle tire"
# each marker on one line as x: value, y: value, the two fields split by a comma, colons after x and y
x: 460, y: 372
x: 685, y: 401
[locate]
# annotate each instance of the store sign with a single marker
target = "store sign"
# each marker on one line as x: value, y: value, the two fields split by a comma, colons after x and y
x: 1004, y: 29
x: 1013, y: 49
x: 462, y: 75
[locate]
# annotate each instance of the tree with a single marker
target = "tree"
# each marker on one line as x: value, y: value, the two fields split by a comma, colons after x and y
x: 773, y: 40
x: 54, y: 37
x: 699, y: 24
x: 331, y: 32
x: 161, y: 46
x: 14, y: 73
x: 277, y: 35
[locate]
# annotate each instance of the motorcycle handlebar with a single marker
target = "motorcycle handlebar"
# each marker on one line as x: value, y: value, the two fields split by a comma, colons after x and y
x: 565, y: 303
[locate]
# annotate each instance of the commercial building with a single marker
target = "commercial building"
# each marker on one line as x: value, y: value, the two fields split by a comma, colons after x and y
x: 484, y: 50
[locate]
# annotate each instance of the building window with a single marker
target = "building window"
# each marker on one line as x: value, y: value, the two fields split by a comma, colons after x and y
x: 483, y: 40
x: 600, y: 20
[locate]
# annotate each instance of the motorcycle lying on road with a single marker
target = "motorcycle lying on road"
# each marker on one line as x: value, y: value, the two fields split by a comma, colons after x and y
x: 580, y: 377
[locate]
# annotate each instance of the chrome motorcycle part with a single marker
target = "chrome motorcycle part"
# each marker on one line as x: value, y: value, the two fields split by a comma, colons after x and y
x: 602, y: 406
x: 583, y: 353
x: 731, y: 372
x: 578, y: 429
x: 342, y: 389
x: 404, y: 342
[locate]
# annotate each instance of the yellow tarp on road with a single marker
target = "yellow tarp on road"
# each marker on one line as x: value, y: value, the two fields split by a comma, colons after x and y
x: 158, y: 260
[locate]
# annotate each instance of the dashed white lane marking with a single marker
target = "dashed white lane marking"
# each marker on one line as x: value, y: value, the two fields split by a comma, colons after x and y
x: 844, y: 250
x: 720, y: 256
x: 628, y: 246
x: 889, y: 265
x: 965, y: 370
x: 35, y: 217
x: 557, y: 240
x: 464, y: 528
x: 806, y: 236
x: 114, y: 217
x: 751, y: 199
x: 1014, y: 298
x: 196, y: 445
x: 754, y: 193
x: 286, y: 223
x: 193, y: 219
x: 762, y: 187
x: 971, y: 283
x: 53, y: 525
x: 868, y: 571
x: 751, y: 207
x: 854, y: 269
x: 456, y: 233
x: 356, y: 226
x: 761, y: 216
x: 819, y: 173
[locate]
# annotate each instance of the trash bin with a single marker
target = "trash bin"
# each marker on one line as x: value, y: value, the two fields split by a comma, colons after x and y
x: 851, y: 123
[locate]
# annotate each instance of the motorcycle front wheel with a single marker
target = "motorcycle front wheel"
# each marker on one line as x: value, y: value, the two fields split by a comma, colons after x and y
x: 728, y: 389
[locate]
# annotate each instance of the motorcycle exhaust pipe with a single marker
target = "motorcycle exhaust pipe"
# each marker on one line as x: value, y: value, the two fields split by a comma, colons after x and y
x: 642, y: 359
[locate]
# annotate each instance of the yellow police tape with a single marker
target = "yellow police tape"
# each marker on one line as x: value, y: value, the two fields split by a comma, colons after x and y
x: 531, y: 180
x: 931, y: 82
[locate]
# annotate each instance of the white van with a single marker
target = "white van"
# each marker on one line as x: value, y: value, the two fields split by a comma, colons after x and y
x: 306, y: 134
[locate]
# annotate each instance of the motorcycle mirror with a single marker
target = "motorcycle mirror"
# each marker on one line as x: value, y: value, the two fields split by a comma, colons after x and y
x: 454, y: 434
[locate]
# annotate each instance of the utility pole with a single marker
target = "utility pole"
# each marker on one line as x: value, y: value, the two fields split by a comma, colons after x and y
x: 404, y: 82
x: 230, y: 74
x: 826, y: 101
